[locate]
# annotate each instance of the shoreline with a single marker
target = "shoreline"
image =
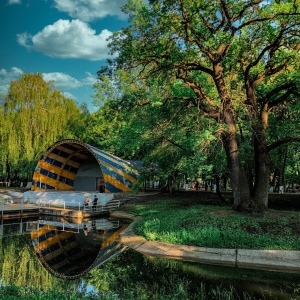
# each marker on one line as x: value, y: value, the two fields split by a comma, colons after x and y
x: 268, y: 260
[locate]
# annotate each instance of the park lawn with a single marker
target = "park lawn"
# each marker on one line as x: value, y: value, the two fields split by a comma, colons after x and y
x: 193, y: 221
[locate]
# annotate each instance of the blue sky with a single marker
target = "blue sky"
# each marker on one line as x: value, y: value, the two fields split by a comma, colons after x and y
x: 64, y: 40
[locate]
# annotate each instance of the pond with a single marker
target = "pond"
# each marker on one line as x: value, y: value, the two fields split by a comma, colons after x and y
x: 87, y: 260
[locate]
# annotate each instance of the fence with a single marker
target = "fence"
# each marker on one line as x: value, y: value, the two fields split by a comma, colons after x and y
x: 89, y: 208
x: 55, y: 205
x: 4, y: 200
x: 113, y: 204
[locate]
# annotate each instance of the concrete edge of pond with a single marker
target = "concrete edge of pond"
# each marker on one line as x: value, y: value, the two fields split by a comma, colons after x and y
x: 273, y: 260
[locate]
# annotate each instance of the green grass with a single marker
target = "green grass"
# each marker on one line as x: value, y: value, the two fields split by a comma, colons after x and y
x: 179, y: 291
x: 189, y: 222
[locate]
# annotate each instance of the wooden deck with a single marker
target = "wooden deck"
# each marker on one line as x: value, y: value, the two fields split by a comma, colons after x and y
x: 18, y: 211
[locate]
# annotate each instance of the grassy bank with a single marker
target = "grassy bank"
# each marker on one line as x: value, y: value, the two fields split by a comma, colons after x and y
x: 197, y: 221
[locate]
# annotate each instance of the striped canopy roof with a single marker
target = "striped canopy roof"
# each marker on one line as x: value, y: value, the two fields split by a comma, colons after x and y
x: 58, y: 167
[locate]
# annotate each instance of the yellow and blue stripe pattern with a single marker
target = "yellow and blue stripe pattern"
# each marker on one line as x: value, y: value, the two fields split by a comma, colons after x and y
x: 58, y: 167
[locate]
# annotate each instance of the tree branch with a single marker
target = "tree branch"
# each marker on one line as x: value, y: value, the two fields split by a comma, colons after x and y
x: 213, y: 110
x: 286, y: 140
x: 272, y: 47
x: 177, y: 145
x: 290, y: 89
x: 258, y: 20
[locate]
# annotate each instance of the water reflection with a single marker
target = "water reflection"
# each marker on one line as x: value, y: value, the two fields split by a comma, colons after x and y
x: 69, y: 250
x: 189, y: 280
x: 87, y: 252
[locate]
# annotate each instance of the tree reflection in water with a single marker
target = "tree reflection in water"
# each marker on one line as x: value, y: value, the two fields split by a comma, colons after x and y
x: 87, y: 254
x: 137, y: 275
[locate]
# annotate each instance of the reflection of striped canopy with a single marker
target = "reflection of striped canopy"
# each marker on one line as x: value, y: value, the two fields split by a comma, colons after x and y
x: 70, y: 254
x: 58, y: 167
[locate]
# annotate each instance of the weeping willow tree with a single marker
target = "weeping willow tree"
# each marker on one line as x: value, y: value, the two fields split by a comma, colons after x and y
x: 20, y: 266
x: 33, y: 116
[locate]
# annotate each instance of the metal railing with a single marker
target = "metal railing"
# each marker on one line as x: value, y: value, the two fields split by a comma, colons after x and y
x: 2, y: 206
x: 54, y: 205
x: 102, y: 208
x: 62, y: 226
x: 90, y: 208
x: 3, y: 202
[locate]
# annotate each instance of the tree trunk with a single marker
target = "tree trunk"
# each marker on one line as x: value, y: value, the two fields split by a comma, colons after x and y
x: 283, y: 156
x: 8, y: 173
x: 250, y: 176
x: 243, y: 199
x: 262, y: 172
x: 218, y: 191
x: 273, y: 182
x: 224, y: 182
x: 238, y: 178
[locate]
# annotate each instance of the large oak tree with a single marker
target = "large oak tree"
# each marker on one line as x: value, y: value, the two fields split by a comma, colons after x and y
x: 212, y: 47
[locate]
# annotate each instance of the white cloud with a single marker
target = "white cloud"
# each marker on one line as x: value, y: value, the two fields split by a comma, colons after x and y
x: 89, y: 10
x: 69, y: 95
x: 22, y: 38
x: 11, y: 2
x: 64, y: 81
x: 68, y: 39
x: 7, y: 76
x: 89, y: 80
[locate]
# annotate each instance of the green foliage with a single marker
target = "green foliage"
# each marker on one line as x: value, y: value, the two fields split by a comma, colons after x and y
x: 172, y: 140
x: 13, y: 292
x: 34, y: 115
x: 19, y: 266
x: 235, y: 63
x: 133, y: 276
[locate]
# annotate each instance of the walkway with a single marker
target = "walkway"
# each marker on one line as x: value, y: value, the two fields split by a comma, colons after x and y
x: 18, y: 210
x: 272, y: 260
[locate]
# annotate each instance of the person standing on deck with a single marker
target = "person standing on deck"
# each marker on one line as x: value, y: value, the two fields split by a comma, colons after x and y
x: 95, y: 203
x: 86, y: 202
